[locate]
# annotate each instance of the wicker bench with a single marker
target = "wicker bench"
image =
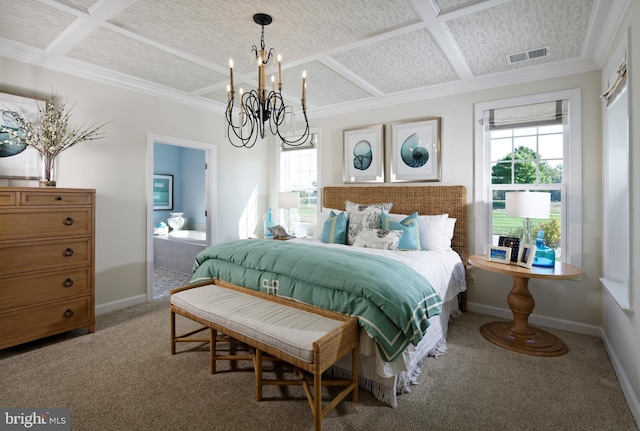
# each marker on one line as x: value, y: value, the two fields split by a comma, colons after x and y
x: 309, y: 338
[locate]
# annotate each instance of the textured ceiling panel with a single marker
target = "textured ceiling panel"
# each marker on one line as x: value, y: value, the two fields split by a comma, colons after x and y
x: 487, y: 37
x: 412, y: 60
x: 32, y: 22
x: 111, y: 50
x: 216, y: 31
x: 324, y: 86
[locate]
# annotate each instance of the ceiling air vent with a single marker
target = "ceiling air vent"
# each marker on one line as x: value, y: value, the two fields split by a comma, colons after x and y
x: 527, y: 55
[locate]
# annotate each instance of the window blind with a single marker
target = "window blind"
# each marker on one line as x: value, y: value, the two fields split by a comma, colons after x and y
x: 537, y: 114
x: 616, y: 81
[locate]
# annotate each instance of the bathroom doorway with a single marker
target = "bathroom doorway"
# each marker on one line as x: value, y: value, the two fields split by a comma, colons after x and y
x: 191, y: 167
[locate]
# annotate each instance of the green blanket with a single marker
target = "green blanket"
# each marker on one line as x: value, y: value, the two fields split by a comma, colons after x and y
x: 391, y: 300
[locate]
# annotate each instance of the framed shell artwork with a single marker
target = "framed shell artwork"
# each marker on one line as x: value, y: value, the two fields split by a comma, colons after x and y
x: 415, y: 150
x: 364, y: 155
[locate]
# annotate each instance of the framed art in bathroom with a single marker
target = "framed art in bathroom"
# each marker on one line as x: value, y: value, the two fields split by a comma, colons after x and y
x: 162, y: 192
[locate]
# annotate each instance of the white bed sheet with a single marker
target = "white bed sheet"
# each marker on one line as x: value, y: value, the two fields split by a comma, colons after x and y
x: 446, y: 273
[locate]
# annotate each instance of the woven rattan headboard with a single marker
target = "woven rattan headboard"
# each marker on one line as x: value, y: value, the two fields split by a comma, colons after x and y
x: 426, y: 200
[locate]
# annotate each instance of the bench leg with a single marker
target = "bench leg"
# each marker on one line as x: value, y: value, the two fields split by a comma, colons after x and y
x: 173, y: 333
x: 317, y: 401
x: 257, y: 366
x: 212, y: 350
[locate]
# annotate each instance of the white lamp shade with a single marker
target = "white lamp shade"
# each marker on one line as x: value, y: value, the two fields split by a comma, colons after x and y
x: 288, y: 199
x: 528, y: 204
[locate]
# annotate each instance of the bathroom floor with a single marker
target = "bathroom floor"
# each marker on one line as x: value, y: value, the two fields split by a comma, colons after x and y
x: 165, y: 279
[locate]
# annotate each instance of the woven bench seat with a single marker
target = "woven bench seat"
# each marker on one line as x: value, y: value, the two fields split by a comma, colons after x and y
x: 309, y: 338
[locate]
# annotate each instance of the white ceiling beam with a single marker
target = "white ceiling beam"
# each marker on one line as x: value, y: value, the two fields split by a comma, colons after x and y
x: 350, y: 76
x: 467, y: 8
x: 445, y: 40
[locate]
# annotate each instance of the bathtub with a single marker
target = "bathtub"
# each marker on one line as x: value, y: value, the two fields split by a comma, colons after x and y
x: 177, y: 251
x: 193, y: 236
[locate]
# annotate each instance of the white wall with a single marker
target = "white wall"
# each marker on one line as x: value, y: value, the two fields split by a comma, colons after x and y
x: 574, y: 305
x: 622, y: 329
x: 117, y: 168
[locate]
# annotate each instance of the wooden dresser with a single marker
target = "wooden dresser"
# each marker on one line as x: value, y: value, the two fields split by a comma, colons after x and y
x: 47, y: 268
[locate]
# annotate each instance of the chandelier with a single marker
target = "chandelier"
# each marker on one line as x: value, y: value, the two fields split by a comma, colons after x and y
x: 260, y: 106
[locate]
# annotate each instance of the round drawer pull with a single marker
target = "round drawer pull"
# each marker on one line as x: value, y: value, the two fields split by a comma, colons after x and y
x: 68, y: 313
x: 68, y: 252
x: 68, y: 282
x: 68, y: 221
x: 58, y: 198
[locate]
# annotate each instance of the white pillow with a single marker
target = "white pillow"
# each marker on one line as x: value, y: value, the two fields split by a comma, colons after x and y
x: 449, y: 226
x: 378, y: 238
x: 433, y: 231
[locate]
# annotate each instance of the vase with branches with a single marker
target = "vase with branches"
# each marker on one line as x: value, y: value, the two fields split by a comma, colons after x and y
x: 49, y: 135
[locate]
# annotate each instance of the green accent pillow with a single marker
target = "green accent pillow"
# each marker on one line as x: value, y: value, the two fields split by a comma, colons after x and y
x: 409, y: 226
x: 334, y: 230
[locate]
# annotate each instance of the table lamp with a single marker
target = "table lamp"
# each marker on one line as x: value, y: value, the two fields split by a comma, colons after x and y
x: 288, y: 200
x: 528, y: 205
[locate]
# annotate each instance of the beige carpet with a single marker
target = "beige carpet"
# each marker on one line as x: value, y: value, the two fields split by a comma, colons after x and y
x: 123, y: 378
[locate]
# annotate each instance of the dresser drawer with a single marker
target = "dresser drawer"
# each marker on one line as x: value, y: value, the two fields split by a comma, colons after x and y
x: 40, y: 223
x: 60, y: 197
x: 31, y: 323
x: 20, y: 256
x: 8, y: 198
x: 44, y: 286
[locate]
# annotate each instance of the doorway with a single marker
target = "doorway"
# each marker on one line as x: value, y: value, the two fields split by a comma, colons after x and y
x: 209, y: 195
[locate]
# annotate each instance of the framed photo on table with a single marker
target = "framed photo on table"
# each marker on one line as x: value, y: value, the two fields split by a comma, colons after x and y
x: 513, y: 242
x: 364, y: 155
x: 17, y: 160
x: 496, y: 253
x: 526, y: 255
x: 415, y: 150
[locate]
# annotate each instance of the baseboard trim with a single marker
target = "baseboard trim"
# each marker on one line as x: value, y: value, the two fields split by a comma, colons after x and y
x: 538, y: 320
x: 120, y: 304
x: 625, y: 385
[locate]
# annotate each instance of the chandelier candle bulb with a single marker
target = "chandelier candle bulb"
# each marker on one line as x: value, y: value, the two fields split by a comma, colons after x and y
x: 263, y: 73
x: 231, y: 75
x: 279, y: 72
x: 304, y: 84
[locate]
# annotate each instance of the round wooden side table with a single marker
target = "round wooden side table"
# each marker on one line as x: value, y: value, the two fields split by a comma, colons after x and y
x: 517, y: 335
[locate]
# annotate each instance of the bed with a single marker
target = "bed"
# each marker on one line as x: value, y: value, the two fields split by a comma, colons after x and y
x: 391, y: 350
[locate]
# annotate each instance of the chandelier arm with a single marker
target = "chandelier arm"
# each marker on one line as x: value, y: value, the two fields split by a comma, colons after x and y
x: 246, y: 118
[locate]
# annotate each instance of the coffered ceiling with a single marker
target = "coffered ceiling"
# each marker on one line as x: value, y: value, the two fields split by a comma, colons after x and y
x: 357, y: 53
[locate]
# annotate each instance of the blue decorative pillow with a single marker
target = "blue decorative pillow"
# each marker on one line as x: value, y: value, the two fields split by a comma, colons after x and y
x: 409, y: 226
x: 334, y: 230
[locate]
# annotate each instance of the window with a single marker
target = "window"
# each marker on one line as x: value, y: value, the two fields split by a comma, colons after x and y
x: 530, y: 144
x: 299, y: 173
